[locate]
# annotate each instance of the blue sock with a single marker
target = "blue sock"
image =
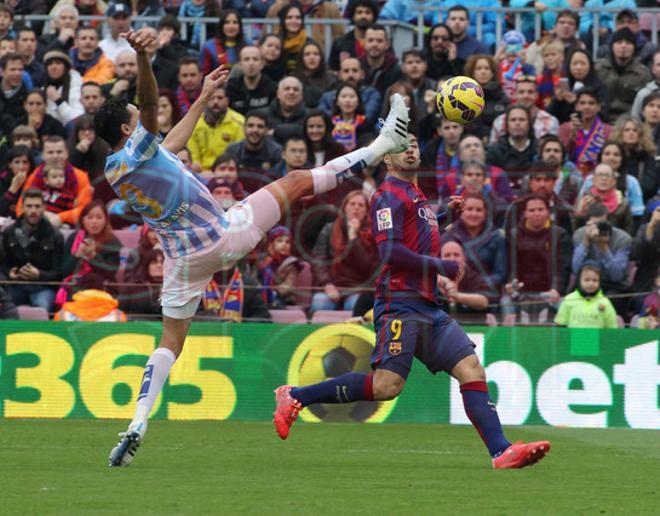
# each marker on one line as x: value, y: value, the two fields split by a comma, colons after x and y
x: 483, y: 414
x: 346, y: 388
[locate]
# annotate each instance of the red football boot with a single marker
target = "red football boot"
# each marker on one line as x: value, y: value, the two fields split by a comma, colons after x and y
x: 286, y: 410
x: 521, y: 454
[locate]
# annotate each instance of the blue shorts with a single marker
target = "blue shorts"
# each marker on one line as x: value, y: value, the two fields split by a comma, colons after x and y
x: 406, y: 329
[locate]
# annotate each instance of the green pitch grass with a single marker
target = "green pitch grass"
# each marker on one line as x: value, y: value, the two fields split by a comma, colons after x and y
x: 60, y: 467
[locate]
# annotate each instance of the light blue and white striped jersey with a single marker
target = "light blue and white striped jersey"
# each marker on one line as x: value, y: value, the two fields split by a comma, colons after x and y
x: 169, y: 197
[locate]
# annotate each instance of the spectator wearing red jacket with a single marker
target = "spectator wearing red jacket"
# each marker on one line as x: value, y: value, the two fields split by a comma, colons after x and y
x: 346, y: 256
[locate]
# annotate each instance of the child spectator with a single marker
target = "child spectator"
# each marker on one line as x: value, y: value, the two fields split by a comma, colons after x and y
x: 587, y: 306
x: 278, y: 269
x: 13, y: 178
x: 553, y: 59
x: 26, y: 136
x: 512, y: 62
x: 57, y: 196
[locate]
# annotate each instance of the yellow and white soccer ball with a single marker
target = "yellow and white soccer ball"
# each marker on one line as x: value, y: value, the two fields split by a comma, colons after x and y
x: 460, y: 99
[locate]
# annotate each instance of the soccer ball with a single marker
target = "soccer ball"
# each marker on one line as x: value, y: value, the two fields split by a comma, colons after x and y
x: 333, y: 356
x: 460, y: 99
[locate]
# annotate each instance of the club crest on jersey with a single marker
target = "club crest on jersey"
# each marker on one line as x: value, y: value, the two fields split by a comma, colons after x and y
x: 395, y: 348
x: 384, y: 218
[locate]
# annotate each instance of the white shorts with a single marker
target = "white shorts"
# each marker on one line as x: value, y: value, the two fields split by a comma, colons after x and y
x: 185, y: 278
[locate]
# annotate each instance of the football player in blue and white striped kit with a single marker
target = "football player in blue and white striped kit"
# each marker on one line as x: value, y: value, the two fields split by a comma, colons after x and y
x: 197, y: 236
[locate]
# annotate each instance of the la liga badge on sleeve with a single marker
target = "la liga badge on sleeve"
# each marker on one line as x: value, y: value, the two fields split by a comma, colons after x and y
x: 384, y: 218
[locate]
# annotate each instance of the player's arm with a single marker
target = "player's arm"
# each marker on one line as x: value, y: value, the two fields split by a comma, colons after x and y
x: 387, y: 221
x: 178, y: 137
x: 400, y: 258
x: 147, y: 87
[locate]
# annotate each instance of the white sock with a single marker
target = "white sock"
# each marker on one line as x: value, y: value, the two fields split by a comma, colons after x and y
x: 155, y: 373
x: 328, y: 176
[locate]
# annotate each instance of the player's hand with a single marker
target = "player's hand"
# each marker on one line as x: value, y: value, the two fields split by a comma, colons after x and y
x: 459, y: 274
x: 213, y: 81
x: 456, y: 202
x: 139, y: 40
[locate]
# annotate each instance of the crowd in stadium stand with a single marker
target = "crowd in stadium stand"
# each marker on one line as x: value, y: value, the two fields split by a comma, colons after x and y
x: 560, y: 175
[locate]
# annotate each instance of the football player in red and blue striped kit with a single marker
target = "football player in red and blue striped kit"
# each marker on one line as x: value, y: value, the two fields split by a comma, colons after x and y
x: 409, y: 322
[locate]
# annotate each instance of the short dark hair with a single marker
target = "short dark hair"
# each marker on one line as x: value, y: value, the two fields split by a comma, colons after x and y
x: 257, y: 114
x: 598, y: 210
x: 654, y: 95
x: 459, y: 7
x: 87, y: 27
x: 171, y: 21
x: 111, y: 115
x: 4, y: 8
x: 32, y: 193
x: 293, y: 138
x: 18, y: 151
x: 378, y: 26
x: 536, y: 197
x: 550, y: 138
x: 188, y: 60
x: 569, y: 13
x: 587, y: 91
x: 25, y: 28
x: 626, y: 13
x: 413, y: 52
x: 224, y: 158
x: 54, y: 138
x: 90, y: 83
x: 369, y: 4
x: 12, y: 56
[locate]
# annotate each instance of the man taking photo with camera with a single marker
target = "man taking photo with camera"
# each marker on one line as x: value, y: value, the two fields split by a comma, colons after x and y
x: 609, y: 247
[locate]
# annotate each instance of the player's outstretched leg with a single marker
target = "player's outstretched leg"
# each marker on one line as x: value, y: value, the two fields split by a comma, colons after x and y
x: 482, y: 412
x: 266, y: 210
x: 289, y: 401
x: 155, y: 374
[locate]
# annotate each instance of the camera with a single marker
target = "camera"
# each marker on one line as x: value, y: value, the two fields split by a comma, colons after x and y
x: 579, y: 115
x: 604, y: 228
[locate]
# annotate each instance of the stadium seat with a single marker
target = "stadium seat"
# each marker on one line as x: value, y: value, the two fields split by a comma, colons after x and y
x: 303, y: 292
x: 128, y: 238
x: 634, y: 321
x: 509, y: 320
x: 620, y: 322
x: 331, y: 316
x: 31, y: 313
x: 288, y: 316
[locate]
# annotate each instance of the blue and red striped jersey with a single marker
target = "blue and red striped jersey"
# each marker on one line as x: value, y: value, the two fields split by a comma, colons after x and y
x: 401, y: 212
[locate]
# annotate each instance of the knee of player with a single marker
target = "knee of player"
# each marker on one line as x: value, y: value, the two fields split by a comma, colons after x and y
x: 387, y: 388
x: 297, y: 175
